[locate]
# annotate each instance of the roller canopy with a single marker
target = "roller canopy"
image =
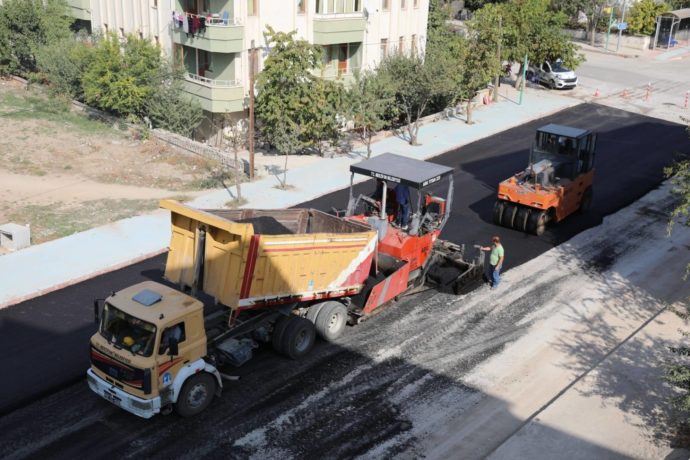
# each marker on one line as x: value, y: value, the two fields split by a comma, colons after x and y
x: 400, y: 169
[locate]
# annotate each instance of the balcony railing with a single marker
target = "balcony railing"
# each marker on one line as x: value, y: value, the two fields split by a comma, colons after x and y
x: 353, y: 15
x: 213, y: 83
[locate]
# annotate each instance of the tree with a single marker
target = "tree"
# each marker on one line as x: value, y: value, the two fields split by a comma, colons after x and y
x: 25, y: 26
x: 478, y: 4
x: 480, y: 60
x: 368, y: 103
x: 593, y: 10
x: 531, y: 28
x: 121, y: 79
x: 170, y: 108
x: 287, y: 140
x: 290, y: 94
x: 642, y: 18
x: 62, y: 64
x: 236, y: 137
x: 444, y: 51
x: 415, y: 87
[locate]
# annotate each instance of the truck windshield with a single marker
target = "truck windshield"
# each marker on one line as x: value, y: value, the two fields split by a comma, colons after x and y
x: 126, y: 331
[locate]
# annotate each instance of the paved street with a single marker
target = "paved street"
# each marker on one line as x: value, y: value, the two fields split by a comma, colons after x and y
x: 390, y: 382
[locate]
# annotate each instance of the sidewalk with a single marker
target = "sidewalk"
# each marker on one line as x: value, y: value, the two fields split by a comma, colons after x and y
x: 56, y: 264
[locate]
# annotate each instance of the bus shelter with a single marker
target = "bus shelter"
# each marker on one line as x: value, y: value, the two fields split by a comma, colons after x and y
x: 672, y: 29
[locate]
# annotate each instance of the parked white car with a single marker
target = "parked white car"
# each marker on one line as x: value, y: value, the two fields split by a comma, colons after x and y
x: 554, y: 75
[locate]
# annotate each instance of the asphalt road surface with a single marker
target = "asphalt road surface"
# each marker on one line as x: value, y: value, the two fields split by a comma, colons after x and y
x: 48, y: 410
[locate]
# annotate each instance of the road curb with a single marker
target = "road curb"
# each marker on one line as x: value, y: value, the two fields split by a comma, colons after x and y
x: 79, y: 279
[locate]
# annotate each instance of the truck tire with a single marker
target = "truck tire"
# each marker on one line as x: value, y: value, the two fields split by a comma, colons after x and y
x: 314, y: 310
x: 331, y: 321
x: 586, y: 201
x: 298, y: 337
x: 196, y: 394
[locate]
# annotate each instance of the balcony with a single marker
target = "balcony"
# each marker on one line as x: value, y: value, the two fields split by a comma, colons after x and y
x: 219, y: 36
x: 79, y: 9
x: 330, y: 29
x: 216, y: 96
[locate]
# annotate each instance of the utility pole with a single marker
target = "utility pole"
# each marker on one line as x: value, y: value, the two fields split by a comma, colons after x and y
x: 498, y: 52
x: 252, y: 61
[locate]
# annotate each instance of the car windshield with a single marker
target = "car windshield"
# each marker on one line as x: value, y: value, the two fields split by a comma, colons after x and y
x: 559, y: 67
x: 126, y: 331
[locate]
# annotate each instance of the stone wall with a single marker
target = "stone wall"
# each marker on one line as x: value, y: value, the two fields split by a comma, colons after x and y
x: 638, y: 42
x: 188, y: 145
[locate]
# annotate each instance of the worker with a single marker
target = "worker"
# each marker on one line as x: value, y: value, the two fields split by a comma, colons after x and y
x: 402, y: 196
x: 495, y: 261
x: 173, y: 332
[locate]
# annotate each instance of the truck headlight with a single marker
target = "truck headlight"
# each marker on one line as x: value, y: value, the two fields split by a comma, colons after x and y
x: 146, y: 405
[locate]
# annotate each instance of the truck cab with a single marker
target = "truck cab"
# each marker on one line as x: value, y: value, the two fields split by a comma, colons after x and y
x: 150, y: 338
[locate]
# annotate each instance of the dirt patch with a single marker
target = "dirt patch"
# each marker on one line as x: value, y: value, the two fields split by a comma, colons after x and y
x: 62, y: 172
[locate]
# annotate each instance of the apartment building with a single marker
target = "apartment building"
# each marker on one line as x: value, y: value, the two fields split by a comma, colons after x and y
x: 213, y: 38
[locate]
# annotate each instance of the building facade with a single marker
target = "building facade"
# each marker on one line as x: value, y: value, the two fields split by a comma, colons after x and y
x: 213, y: 38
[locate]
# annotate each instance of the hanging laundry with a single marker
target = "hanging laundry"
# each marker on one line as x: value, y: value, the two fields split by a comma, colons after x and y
x: 202, y: 24
x: 185, y: 26
x: 195, y: 25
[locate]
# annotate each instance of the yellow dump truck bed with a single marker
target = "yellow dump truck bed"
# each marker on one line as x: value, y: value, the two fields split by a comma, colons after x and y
x: 253, y: 258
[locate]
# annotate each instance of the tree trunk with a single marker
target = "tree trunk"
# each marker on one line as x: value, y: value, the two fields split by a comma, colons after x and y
x: 369, y: 135
x: 521, y: 72
x: 413, y: 128
x: 592, y: 30
x: 285, y: 172
x: 238, y: 173
x: 469, y: 111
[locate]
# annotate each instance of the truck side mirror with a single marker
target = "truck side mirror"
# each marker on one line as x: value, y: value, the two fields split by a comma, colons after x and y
x: 172, y: 347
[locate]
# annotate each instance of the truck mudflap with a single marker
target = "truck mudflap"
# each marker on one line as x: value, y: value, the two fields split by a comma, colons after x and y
x: 448, y: 267
x: 144, y: 408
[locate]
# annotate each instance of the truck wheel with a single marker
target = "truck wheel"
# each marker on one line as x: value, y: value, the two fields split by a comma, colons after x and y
x: 586, y: 202
x: 508, y: 217
x: 314, y: 310
x: 197, y: 393
x: 298, y: 337
x: 278, y: 331
x: 498, y: 212
x: 536, y: 223
x: 331, y: 321
x: 521, y: 217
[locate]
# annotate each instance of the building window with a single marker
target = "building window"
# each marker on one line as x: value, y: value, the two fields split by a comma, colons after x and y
x: 155, y: 3
x: 105, y: 27
x: 384, y: 5
x: 301, y: 6
x: 401, y: 45
x: 413, y: 45
x: 402, y: 4
x: 122, y: 32
x: 252, y: 7
x: 415, y: 3
x: 158, y: 42
x: 384, y: 48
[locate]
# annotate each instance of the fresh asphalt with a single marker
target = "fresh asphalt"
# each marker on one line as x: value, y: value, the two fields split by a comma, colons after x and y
x: 45, y: 340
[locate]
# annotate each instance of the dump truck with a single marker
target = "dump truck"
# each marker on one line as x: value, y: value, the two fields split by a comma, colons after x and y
x: 556, y: 183
x: 276, y: 277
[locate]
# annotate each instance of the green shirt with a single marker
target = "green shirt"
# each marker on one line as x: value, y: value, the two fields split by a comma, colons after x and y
x: 496, y: 254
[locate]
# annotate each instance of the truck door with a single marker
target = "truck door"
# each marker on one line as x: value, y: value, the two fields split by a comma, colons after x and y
x: 169, y: 366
